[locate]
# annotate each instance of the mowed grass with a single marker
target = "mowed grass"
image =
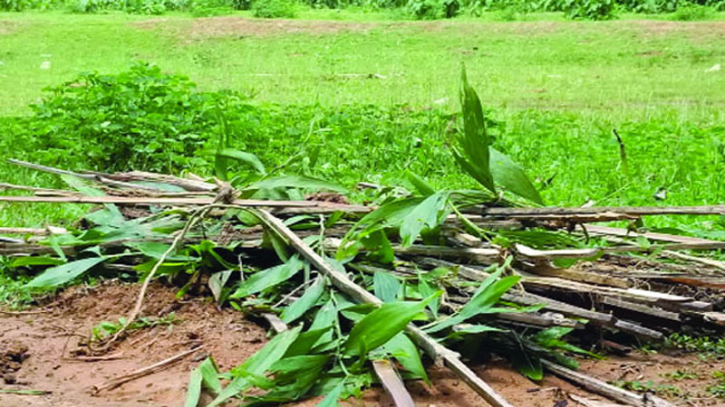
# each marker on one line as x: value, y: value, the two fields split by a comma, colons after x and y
x: 558, y: 87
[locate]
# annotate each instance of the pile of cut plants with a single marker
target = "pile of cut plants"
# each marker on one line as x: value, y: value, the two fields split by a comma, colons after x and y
x: 360, y: 295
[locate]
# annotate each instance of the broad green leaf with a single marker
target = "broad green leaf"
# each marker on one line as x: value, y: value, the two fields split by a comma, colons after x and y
x: 473, y: 330
x: 193, y: 392
x: 474, y: 142
x: 333, y: 396
x: 296, y: 181
x: 153, y: 250
x: 511, y: 176
x: 425, y: 216
x: 382, y: 324
x: 406, y: 353
x: 306, y: 341
x: 35, y: 261
x: 419, y: 183
x: 210, y: 375
x: 244, y: 157
x: 391, y: 214
x: 489, y: 294
x: 58, y: 275
x: 379, y: 247
x: 326, y: 317
x: 426, y: 290
x: 528, y: 364
x: 217, y: 281
x: 304, y: 303
x: 258, y: 364
x: 483, y: 301
x: 268, y: 278
x: 297, y: 363
x: 386, y: 287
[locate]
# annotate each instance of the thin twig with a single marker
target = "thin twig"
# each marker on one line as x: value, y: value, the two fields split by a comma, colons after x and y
x: 113, y: 383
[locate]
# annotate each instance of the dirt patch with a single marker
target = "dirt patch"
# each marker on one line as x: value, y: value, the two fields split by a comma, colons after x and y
x: 695, y: 30
x: 7, y: 27
x: 245, y: 27
x: 240, y: 27
x: 39, y: 352
x: 52, y: 339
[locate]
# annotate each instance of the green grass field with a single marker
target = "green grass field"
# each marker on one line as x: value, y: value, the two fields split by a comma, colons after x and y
x: 559, y: 86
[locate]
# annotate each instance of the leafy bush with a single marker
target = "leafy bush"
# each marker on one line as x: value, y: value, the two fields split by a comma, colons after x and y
x: 20, y: 5
x: 273, y: 9
x: 590, y: 9
x: 433, y: 9
x: 690, y: 11
x: 138, y: 119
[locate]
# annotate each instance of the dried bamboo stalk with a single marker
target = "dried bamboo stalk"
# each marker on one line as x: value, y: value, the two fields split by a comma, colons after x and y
x: 392, y: 383
x: 318, y: 207
x: 634, y: 211
x: 607, y: 390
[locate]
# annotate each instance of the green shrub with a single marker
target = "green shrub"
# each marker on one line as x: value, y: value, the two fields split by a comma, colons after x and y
x: 142, y: 119
x: 590, y: 9
x: 433, y: 9
x: 273, y: 9
x: 690, y: 12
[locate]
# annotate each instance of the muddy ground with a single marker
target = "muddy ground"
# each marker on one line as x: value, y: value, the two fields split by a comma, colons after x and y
x: 41, y: 351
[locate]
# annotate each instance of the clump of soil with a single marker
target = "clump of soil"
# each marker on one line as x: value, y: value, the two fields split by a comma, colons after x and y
x: 12, y: 355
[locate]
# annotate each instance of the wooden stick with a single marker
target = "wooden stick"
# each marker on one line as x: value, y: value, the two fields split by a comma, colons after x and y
x: 663, y: 237
x: 44, y: 191
x: 434, y: 349
x: 607, y: 390
x: 320, y: 207
x: 392, y: 383
x: 113, y: 383
x: 635, y: 211
x: 187, y: 184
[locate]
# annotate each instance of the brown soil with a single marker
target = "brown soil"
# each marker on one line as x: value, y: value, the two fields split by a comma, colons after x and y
x: 240, y: 27
x: 39, y: 351
x: 7, y: 27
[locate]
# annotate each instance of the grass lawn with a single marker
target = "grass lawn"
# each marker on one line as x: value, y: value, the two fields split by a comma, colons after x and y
x: 559, y: 87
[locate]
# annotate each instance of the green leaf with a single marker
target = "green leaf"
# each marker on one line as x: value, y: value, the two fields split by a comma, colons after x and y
x: 153, y: 250
x: 426, y: 290
x: 243, y: 157
x: 473, y: 330
x: 381, y: 325
x: 193, y: 392
x: 257, y: 364
x: 58, y: 275
x: 326, y: 317
x: 424, y: 217
x: 386, y: 287
x: 306, y: 341
x: 210, y: 375
x: 268, y: 278
x: 298, y: 363
x: 304, y: 303
x: 483, y: 301
x: 379, y: 247
x: 511, y: 176
x: 35, y: 261
x: 473, y: 152
x: 419, y: 183
x: 406, y: 353
x: 333, y: 396
x: 528, y: 364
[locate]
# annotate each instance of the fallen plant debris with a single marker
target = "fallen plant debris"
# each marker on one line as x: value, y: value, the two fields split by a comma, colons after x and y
x: 364, y: 294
